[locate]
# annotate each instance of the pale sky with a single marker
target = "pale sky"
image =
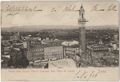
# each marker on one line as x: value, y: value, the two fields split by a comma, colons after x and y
x: 11, y: 17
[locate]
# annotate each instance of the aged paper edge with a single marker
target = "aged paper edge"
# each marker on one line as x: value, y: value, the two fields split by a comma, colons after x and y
x: 83, y: 1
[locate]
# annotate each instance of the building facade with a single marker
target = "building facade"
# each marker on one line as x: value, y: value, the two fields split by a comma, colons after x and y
x: 98, y: 53
x: 35, y: 51
x: 53, y: 52
x: 38, y: 51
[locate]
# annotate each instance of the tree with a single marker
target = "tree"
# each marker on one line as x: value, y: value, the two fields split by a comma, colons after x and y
x: 18, y: 59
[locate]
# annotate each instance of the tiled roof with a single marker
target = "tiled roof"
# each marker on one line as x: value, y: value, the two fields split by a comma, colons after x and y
x: 46, y: 45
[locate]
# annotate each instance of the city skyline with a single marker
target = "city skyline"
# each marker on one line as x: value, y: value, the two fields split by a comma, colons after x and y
x: 54, y: 27
x: 81, y: 46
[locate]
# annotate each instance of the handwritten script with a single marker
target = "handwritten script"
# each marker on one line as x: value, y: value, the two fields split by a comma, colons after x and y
x: 17, y: 9
x: 80, y: 74
x: 87, y: 75
x: 110, y: 7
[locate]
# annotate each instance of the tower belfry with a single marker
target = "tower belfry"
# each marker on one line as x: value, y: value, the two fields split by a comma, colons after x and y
x: 82, y: 33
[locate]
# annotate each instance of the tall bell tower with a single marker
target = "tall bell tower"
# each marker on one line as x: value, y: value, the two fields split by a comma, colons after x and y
x: 82, y: 33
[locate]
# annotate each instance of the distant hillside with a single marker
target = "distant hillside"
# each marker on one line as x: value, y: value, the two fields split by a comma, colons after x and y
x: 50, y: 28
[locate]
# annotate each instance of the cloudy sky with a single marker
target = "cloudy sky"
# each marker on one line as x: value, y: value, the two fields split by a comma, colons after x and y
x: 58, y: 13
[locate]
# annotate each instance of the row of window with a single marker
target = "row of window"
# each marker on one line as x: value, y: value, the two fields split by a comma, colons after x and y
x: 38, y: 49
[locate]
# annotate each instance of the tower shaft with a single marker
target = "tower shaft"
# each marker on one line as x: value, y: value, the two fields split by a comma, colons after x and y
x: 82, y: 38
x: 82, y: 32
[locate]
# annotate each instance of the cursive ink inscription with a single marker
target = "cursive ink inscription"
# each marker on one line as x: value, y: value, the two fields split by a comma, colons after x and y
x: 87, y: 75
x: 69, y: 8
x: 98, y: 7
x: 13, y: 10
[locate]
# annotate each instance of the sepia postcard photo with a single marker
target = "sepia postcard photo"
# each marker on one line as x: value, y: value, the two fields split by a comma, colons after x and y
x: 60, y: 40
